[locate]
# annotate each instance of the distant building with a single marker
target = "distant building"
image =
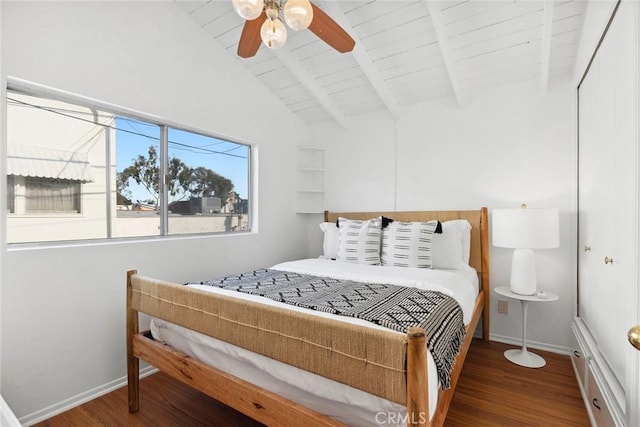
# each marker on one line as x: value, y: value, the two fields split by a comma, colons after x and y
x: 57, y: 171
x: 196, y: 206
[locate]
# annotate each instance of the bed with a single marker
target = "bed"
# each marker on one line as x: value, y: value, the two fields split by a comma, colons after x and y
x: 372, y: 368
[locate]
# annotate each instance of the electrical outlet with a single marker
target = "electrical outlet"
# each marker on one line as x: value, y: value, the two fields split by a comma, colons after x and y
x: 503, y: 306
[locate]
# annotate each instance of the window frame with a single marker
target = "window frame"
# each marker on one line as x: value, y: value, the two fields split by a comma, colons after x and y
x: 19, y: 86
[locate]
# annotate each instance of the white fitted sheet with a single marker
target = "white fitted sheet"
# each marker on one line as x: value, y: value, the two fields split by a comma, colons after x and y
x: 346, y: 404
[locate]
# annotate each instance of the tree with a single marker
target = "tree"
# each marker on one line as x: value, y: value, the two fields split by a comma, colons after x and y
x: 184, y: 181
x: 207, y: 183
x: 144, y: 171
x: 179, y: 177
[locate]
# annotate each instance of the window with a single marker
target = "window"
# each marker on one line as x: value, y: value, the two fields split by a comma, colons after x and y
x: 78, y: 171
x: 209, y: 194
x: 51, y: 195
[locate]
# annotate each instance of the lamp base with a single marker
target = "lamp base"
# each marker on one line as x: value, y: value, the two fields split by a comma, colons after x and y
x: 523, y: 272
x: 524, y: 358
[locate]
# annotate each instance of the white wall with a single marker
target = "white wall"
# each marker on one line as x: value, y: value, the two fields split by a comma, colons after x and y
x: 514, y: 144
x: 359, y: 163
x: 63, y: 308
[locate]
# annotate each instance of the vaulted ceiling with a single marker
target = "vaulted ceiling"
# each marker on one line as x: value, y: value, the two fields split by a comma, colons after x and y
x: 406, y: 52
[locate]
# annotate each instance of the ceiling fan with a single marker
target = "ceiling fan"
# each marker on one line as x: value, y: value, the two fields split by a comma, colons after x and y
x: 263, y: 24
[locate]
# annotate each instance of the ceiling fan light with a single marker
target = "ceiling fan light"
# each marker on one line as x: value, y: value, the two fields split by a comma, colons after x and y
x: 248, y: 9
x: 273, y: 33
x: 298, y: 14
x: 272, y: 9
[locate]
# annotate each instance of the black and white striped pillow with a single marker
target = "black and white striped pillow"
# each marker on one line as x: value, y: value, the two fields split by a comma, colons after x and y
x: 408, y: 244
x: 359, y: 241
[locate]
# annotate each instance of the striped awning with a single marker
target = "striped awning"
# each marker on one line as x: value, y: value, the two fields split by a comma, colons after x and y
x: 27, y: 160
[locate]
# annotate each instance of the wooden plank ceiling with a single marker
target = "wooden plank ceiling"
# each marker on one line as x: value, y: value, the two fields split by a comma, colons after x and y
x: 406, y: 52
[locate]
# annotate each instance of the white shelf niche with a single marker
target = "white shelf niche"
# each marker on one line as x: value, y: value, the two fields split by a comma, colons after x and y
x: 310, y: 180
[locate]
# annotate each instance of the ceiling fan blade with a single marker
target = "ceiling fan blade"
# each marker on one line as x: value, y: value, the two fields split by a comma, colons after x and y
x: 330, y: 32
x: 250, y: 37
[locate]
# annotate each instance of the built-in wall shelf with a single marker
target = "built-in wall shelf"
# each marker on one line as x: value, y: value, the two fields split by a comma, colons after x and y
x: 310, y: 180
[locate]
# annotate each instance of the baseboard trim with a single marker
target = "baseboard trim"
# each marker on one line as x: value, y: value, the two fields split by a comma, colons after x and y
x: 79, y: 399
x: 531, y: 344
x: 7, y: 417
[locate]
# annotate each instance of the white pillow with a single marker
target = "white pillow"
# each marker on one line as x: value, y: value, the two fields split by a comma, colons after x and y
x: 408, y: 244
x: 359, y: 241
x: 452, y: 248
x: 464, y: 227
x: 330, y: 244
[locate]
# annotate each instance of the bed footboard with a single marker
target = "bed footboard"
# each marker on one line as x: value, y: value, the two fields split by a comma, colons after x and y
x: 382, y: 363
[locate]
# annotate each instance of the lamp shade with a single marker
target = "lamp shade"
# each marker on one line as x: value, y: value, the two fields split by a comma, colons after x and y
x: 298, y: 14
x: 273, y: 33
x: 248, y: 9
x: 527, y: 228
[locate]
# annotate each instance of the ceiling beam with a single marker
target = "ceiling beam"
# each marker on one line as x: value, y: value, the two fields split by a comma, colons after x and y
x: 547, y: 27
x: 320, y: 94
x: 435, y: 10
x: 364, y: 60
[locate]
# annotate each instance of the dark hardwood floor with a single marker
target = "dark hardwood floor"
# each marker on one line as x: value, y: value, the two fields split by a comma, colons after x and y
x: 490, y: 392
x: 494, y: 392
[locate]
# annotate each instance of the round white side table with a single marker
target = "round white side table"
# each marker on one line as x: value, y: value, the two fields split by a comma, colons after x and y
x: 524, y: 357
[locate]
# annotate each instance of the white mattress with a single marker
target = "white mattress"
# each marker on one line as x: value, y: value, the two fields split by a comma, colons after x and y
x: 346, y: 404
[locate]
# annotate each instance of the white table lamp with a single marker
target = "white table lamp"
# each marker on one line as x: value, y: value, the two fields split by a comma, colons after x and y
x: 525, y: 229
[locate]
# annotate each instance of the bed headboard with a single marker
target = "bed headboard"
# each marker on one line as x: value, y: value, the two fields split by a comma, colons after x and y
x: 479, y: 220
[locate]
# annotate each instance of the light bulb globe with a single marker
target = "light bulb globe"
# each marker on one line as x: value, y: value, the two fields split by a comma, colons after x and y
x: 298, y: 14
x: 248, y: 9
x: 273, y: 33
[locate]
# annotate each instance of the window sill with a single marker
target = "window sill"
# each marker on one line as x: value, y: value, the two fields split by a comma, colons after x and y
x: 46, y: 215
x: 121, y: 241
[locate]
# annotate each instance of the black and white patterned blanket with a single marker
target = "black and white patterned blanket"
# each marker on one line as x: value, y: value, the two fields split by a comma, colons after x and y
x: 395, y: 307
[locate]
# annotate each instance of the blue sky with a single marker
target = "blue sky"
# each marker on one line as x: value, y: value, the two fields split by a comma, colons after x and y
x: 225, y: 158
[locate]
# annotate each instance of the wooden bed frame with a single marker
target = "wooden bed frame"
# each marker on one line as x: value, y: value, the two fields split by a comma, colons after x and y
x: 165, y: 300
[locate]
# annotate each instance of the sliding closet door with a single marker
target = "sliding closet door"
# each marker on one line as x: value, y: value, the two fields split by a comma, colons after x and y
x: 608, y: 198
